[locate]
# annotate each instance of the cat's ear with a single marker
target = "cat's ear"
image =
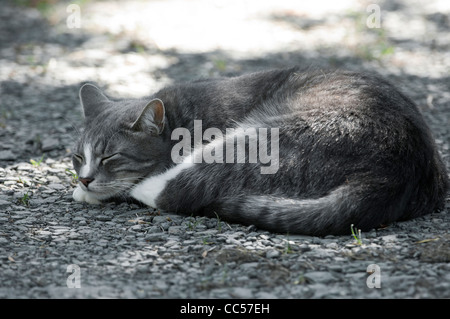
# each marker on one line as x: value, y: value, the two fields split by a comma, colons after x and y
x: 93, y: 101
x: 152, y: 117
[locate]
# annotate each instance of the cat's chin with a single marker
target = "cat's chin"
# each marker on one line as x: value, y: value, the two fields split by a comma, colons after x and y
x: 81, y: 195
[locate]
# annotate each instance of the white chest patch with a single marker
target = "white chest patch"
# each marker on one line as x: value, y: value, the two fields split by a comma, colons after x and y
x: 150, y: 188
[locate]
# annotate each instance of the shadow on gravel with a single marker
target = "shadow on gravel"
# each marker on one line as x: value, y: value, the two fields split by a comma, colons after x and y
x: 221, y: 63
x: 29, y: 27
x: 37, y: 120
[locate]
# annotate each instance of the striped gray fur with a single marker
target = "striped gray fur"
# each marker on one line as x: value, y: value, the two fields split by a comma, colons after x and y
x: 352, y: 150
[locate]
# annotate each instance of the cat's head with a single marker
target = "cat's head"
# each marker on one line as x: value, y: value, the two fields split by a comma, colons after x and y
x: 120, y: 145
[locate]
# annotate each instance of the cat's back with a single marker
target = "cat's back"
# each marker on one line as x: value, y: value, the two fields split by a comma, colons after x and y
x: 328, y: 90
x: 315, y: 92
x: 347, y: 110
x: 334, y: 101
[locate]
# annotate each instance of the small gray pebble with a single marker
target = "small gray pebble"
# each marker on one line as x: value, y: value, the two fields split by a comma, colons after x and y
x: 7, y: 155
x: 319, y: 277
x: 4, y: 204
x: 103, y: 218
x: 155, y: 237
x: 272, y: 253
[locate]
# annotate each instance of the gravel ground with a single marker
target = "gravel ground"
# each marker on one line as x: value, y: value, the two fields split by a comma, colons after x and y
x: 128, y: 251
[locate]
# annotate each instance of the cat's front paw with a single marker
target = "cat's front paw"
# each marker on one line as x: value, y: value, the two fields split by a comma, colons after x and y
x: 80, y: 195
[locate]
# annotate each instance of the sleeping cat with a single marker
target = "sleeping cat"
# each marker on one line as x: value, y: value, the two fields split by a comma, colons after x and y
x: 351, y: 149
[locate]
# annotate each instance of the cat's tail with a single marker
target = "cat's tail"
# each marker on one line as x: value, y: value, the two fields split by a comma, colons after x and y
x: 366, y: 206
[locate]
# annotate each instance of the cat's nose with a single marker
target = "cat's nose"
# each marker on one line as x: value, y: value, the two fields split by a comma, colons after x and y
x: 86, y: 181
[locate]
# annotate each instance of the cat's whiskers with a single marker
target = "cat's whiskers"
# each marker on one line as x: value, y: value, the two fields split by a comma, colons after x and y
x: 117, y: 187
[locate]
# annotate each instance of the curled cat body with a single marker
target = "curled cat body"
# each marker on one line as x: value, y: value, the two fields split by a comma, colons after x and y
x: 347, y: 148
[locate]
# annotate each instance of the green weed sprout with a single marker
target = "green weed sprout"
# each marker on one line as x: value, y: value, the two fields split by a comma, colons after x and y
x: 356, y: 234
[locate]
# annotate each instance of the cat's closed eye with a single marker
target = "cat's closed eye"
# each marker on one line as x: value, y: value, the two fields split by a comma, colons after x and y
x: 106, y: 159
x: 79, y: 158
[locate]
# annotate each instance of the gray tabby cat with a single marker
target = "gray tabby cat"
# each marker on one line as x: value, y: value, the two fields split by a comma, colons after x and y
x: 352, y: 150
